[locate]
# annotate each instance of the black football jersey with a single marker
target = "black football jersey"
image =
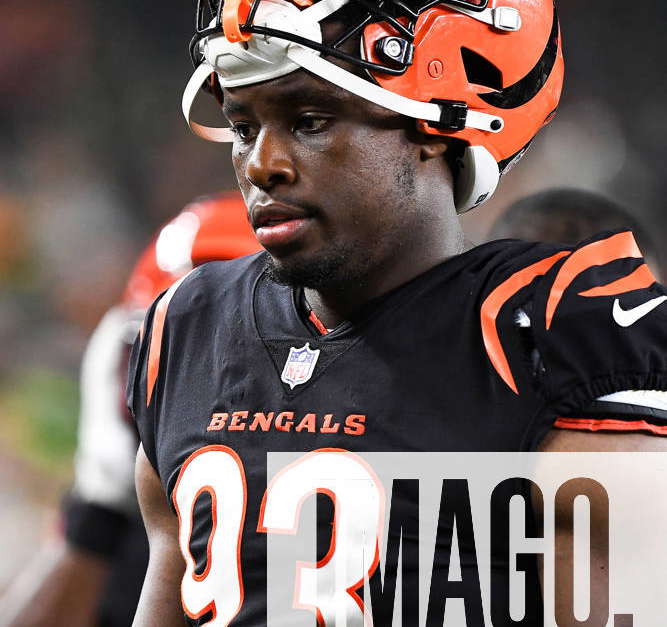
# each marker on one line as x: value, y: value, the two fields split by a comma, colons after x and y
x: 484, y: 352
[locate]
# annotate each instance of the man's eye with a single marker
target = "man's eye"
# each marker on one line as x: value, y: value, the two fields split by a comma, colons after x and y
x: 242, y: 130
x: 312, y: 123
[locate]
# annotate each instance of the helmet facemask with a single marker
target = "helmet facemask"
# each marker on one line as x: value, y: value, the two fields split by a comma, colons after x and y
x: 401, y: 16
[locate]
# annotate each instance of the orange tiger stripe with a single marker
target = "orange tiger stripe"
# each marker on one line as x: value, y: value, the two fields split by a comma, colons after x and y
x: 597, y: 253
x: 494, y: 303
x: 156, y: 339
x: 638, y: 280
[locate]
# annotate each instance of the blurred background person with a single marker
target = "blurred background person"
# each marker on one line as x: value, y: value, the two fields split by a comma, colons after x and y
x: 568, y: 216
x: 90, y: 572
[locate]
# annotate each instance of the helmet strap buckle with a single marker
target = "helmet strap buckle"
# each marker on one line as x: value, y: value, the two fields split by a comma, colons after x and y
x: 453, y: 115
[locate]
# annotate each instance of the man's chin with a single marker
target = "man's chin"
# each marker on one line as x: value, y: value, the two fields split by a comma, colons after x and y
x: 319, y: 272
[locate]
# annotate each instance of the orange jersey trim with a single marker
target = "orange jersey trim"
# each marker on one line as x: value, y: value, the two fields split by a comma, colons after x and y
x: 597, y: 253
x: 156, y: 339
x: 609, y: 424
x: 493, y: 304
x: 317, y: 323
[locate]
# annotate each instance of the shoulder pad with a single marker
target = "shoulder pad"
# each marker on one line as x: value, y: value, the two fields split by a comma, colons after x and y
x: 597, y: 318
x: 600, y: 323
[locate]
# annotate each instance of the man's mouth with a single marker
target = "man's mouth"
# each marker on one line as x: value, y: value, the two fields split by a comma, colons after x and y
x: 278, y: 225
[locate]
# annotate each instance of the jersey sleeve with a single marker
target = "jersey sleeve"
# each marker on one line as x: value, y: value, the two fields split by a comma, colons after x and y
x: 630, y: 410
x: 599, y: 322
x: 138, y: 399
x: 143, y: 383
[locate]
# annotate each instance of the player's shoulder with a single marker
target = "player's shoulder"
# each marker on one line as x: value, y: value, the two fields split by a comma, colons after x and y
x: 192, y: 308
x: 596, y: 316
x: 600, y: 316
x: 567, y: 282
x: 212, y: 284
x: 513, y: 261
x: 499, y: 266
x: 598, y: 283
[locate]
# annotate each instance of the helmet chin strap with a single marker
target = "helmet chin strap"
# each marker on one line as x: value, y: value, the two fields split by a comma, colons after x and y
x: 431, y: 112
x: 310, y: 60
x: 209, y: 133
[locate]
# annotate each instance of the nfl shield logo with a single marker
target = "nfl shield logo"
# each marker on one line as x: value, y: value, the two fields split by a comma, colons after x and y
x: 299, y: 365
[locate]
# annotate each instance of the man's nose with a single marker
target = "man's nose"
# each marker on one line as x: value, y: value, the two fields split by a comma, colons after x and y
x: 270, y: 163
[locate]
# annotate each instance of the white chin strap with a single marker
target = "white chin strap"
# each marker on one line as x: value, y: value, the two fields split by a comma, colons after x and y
x: 263, y: 58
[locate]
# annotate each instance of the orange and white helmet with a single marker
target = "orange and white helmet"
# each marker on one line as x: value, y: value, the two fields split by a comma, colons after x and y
x: 486, y: 72
x: 209, y: 229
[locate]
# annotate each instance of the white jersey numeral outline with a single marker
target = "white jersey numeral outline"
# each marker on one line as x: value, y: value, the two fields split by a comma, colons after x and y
x: 359, y: 502
x: 218, y: 470
x: 358, y: 499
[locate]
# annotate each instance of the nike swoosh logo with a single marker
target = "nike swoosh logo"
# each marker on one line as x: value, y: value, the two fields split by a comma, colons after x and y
x: 627, y: 317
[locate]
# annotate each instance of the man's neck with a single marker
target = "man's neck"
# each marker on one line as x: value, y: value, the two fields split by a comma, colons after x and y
x: 339, y: 303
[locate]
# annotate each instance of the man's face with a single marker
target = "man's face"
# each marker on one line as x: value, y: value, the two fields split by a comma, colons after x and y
x: 331, y: 181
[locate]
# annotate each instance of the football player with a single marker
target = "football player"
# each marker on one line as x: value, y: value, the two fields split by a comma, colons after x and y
x: 93, y: 574
x: 360, y: 129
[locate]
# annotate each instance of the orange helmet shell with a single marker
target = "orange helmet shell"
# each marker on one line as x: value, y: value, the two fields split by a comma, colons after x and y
x: 206, y: 230
x: 530, y: 82
x: 486, y: 72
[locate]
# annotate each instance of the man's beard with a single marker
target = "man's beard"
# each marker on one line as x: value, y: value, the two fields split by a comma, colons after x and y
x: 329, y: 271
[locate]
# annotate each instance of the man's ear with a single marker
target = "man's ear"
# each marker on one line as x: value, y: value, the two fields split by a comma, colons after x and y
x: 433, y: 147
x: 430, y: 146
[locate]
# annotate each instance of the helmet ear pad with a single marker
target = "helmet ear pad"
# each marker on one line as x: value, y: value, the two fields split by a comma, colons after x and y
x: 477, y: 177
x: 474, y: 171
